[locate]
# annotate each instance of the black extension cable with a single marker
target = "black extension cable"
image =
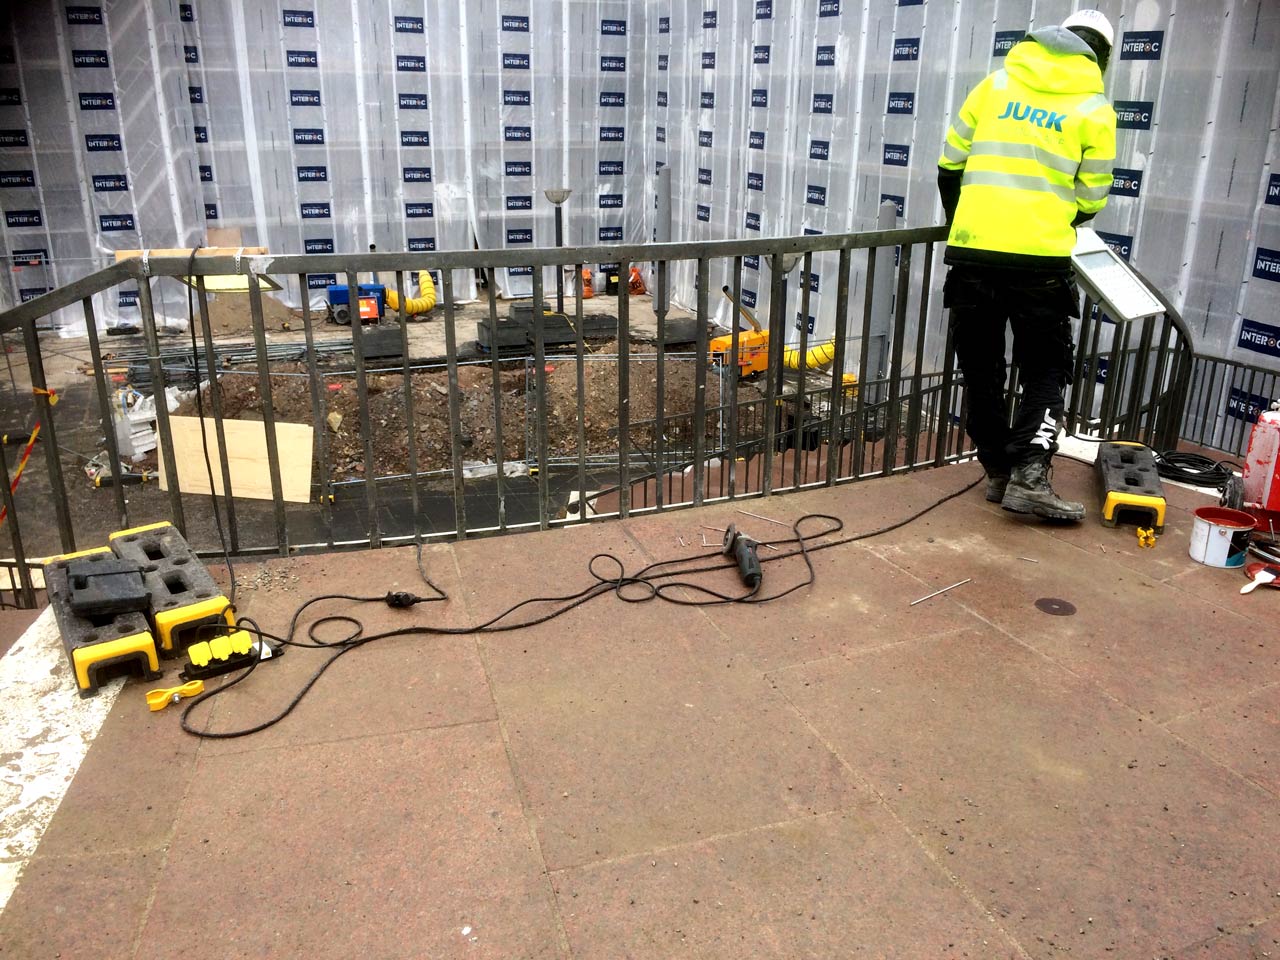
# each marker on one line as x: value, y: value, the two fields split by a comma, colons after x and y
x: 1193, y: 469
x: 656, y: 581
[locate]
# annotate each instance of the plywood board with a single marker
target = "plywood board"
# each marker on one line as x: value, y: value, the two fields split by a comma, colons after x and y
x: 246, y: 456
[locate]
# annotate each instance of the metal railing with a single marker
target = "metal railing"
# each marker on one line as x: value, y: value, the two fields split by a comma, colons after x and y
x: 793, y: 428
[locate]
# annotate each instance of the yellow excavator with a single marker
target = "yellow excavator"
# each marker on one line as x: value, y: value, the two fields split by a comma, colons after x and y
x: 753, y: 350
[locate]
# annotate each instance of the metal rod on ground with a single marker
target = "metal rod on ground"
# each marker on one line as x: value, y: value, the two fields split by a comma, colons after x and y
x: 540, y: 400
x: 215, y: 400
x: 940, y: 592
x: 104, y: 408
x: 780, y: 523
x: 410, y: 427
x: 624, y: 389
x: 491, y: 287
x: 455, y: 403
x: 163, y: 430
x: 15, y: 537
x: 268, y: 413
x: 362, y: 397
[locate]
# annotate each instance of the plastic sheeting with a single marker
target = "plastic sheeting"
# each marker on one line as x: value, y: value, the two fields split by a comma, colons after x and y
x: 334, y: 124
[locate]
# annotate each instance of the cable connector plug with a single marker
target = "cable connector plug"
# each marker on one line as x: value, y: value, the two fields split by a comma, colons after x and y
x: 402, y: 598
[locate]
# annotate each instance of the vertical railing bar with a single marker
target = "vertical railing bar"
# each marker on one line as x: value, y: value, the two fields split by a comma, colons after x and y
x: 1115, y: 375
x: 1077, y: 377
x: 944, y: 401
x: 579, y: 351
x: 410, y: 421
x: 1094, y: 365
x: 773, y: 371
x: 319, y: 411
x: 15, y: 537
x: 147, y: 309
x: 659, y: 424
x: 624, y: 390
x: 1142, y: 363
x: 700, y: 383
x: 215, y: 401
x: 362, y: 398
x: 895, y: 364
x: 1160, y: 411
x: 495, y: 365
x: 731, y: 378
x: 802, y: 369
x: 455, y: 401
x: 540, y: 399
x: 268, y: 411
x: 835, y: 432
x: 857, y: 452
x: 104, y: 406
x: 915, y: 410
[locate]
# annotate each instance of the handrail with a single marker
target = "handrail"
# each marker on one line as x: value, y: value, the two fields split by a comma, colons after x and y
x: 63, y: 297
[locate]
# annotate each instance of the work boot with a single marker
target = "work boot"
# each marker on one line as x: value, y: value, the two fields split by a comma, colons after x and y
x: 1029, y: 492
x: 996, y: 483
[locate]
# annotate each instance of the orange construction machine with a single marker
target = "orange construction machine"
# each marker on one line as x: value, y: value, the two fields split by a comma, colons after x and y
x: 753, y: 350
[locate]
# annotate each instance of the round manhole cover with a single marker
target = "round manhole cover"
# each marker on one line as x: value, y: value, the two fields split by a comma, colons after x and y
x: 1055, y: 607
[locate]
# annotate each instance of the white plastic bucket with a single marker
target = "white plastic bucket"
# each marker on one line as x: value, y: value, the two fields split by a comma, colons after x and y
x: 1220, y: 537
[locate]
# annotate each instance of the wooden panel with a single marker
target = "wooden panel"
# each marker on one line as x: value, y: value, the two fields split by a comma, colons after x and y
x: 247, y: 458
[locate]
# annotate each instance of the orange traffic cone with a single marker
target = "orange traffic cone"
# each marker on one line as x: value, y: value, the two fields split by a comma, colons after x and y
x: 587, y: 291
x: 636, y: 283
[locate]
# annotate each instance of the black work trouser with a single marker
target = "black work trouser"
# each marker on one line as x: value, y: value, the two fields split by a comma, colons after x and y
x: 1039, y: 308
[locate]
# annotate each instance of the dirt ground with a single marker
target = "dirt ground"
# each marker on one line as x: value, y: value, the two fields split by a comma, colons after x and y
x: 291, y: 403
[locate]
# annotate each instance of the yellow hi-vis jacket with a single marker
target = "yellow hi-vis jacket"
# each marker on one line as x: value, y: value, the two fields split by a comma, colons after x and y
x: 1036, y: 142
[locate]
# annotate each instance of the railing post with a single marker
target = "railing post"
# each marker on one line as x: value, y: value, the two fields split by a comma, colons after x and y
x: 104, y: 407
x: 579, y: 351
x: 15, y: 537
x: 540, y: 400
x: 362, y: 398
x: 161, y: 400
x: 660, y: 385
x: 215, y: 400
x: 495, y: 363
x: 319, y: 417
x: 700, y: 384
x: 730, y: 378
x: 864, y: 388
x: 802, y: 368
x: 455, y: 404
x: 268, y: 412
x: 835, y: 432
x: 624, y: 390
x: 893, y: 414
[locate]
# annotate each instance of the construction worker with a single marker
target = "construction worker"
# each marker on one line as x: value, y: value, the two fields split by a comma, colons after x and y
x: 1026, y: 160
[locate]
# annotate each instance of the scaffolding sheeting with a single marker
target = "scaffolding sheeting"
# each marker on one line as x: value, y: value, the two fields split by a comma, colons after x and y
x: 334, y: 124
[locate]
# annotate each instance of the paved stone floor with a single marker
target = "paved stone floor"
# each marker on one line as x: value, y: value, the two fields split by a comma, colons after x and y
x: 838, y: 773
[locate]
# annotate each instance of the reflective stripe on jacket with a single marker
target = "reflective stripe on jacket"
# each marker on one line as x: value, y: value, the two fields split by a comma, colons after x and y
x: 1036, y: 142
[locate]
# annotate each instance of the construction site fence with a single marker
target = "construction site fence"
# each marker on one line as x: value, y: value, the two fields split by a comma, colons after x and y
x: 803, y: 427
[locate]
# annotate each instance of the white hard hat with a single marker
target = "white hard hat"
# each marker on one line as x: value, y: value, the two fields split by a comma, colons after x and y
x: 1092, y: 20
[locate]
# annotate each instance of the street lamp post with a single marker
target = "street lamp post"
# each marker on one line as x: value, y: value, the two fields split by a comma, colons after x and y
x: 558, y: 197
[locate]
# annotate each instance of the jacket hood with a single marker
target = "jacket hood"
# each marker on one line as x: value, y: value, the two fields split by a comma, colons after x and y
x: 1057, y: 62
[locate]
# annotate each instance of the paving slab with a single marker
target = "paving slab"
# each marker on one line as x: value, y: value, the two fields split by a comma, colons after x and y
x: 1158, y: 649
x: 1243, y: 736
x: 857, y: 600
x: 89, y: 907
x: 826, y: 886
x: 1082, y: 828
x: 630, y: 736
x: 410, y: 844
x: 129, y: 786
x: 398, y: 683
